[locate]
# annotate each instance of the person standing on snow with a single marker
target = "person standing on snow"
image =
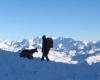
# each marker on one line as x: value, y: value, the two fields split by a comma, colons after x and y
x: 47, y: 43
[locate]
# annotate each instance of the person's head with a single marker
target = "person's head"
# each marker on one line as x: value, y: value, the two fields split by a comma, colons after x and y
x: 44, y: 37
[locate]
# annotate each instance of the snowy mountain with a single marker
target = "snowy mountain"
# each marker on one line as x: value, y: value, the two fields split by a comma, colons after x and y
x: 69, y: 60
x: 60, y: 44
x: 66, y: 50
x: 14, y: 46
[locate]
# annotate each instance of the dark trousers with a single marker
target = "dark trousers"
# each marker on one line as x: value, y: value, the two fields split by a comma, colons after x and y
x: 45, y: 55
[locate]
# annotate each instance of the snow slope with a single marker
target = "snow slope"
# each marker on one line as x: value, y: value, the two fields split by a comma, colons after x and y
x: 12, y: 67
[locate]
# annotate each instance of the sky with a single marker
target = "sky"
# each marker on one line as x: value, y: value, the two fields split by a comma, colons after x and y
x: 77, y: 19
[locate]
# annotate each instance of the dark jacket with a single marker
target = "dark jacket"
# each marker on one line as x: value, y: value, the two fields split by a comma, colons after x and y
x: 45, y: 49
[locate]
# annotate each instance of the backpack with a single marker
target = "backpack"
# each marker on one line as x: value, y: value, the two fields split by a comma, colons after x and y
x: 49, y: 42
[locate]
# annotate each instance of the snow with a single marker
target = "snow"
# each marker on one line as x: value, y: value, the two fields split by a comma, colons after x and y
x: 6, y: 46
x: 69, y: 60
x: 57, y: 57
x: 72, y: 52
x: 65, y: 49
x: 92, y: 51
x: 12, y: 67
x: 93, y: 59
x: 60, y: 44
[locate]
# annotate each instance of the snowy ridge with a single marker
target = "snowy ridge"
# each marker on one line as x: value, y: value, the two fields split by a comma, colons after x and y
x: 13, y: 67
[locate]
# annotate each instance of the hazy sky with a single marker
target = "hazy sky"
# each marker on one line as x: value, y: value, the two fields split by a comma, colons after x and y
x: 78, y: 19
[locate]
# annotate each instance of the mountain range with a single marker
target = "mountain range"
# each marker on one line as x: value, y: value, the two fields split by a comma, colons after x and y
x: 60, y: 44
x: 65, y: 50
